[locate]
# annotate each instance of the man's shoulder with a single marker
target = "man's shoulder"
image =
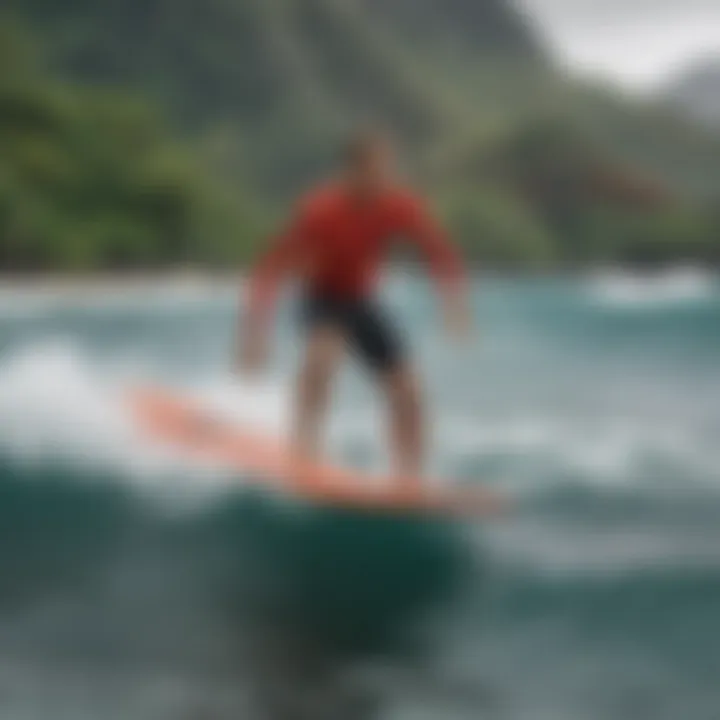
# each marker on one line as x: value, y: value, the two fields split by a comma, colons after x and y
x: 319, y: 199
x: 405, y: 200
x: 330, y: 197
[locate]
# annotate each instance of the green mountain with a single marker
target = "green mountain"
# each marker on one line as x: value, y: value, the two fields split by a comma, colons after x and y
x: 242, y: 59
x: 287, y: 74
x: 462, y: 29
x: 527, y: 162
x: 270, y: 84
x: 93, y: 178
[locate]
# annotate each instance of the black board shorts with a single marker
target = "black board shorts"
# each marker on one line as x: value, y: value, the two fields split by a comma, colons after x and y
x: 369, y: 333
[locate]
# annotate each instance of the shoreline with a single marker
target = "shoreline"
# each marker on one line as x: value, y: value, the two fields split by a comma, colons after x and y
x: 115, y: 280
x: 206, y: 280
x: 191, y: 274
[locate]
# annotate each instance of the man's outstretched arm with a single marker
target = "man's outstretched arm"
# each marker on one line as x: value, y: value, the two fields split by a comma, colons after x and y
x: 271, y: 269
x: 445, y: 265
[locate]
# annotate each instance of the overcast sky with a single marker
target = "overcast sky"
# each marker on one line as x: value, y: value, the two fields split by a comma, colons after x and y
x: 639, y: 43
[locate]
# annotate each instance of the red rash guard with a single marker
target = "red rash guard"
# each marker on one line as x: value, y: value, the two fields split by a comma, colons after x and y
x: 337, y: 243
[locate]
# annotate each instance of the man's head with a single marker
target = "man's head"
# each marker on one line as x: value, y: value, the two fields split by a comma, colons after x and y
x: 369, y: 160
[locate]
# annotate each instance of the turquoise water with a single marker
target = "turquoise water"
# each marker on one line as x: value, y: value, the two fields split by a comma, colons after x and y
x: 136, y: 583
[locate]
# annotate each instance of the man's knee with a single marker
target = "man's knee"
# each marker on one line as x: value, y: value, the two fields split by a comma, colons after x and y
x: 321, y: 359
x: 404, y: 387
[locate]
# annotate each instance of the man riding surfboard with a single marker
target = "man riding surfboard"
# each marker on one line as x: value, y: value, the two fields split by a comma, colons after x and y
x: 335, y: 244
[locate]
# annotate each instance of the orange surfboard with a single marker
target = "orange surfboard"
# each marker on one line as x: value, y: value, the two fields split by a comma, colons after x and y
x: 171, y: 419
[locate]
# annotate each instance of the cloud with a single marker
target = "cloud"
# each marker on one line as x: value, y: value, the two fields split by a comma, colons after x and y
x: 638, y: 43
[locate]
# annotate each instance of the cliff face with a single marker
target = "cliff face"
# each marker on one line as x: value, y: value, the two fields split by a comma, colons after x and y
x: 249, y: 60
x: 269, y: 84
x: 475, y: 28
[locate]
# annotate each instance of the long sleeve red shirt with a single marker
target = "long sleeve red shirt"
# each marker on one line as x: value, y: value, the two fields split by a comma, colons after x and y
x: 336, y: 243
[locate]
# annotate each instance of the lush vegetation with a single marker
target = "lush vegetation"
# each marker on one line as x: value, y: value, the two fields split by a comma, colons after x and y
x: 152, y: 133
x: 91, y: 179
x: 547, y: 194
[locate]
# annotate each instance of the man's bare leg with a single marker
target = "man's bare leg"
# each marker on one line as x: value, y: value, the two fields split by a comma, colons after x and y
x: 406, y: 425
x: 325, y: 347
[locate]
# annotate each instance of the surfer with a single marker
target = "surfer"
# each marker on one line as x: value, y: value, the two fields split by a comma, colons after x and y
x: 335, y: 244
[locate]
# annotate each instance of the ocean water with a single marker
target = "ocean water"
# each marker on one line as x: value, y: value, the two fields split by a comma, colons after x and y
x: 137, y: 584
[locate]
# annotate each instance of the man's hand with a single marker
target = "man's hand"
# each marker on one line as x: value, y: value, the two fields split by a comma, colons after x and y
x: 252, y: 353
x: 458, y: 317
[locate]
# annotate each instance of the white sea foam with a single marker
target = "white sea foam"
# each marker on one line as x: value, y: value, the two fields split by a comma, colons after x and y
x: 18, y: 301
x: 56, y: 408
x: 533, y: 453
x: 554, y: 547
x: 54, y: 403
x: 677, y: 287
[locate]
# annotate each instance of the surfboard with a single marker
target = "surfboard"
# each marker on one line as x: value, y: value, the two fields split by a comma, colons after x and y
x: 166, y: 417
